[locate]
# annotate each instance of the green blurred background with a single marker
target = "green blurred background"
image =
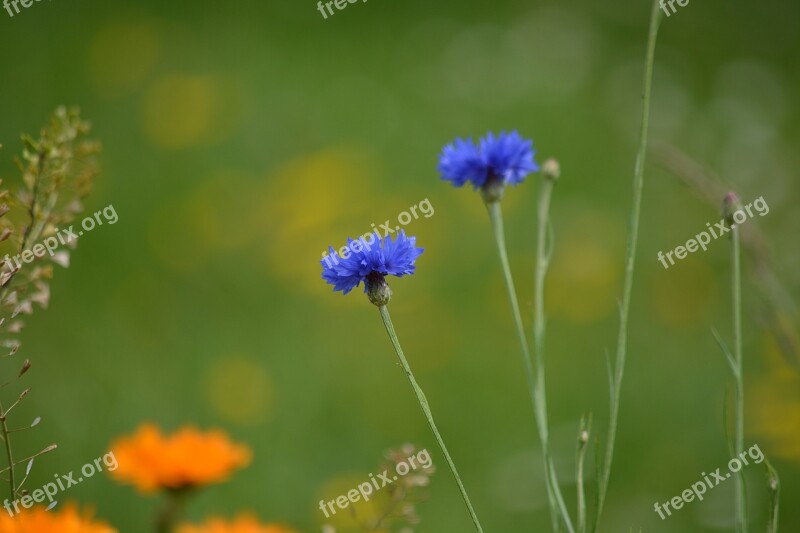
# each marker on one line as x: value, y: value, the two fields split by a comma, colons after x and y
x: 241, y: 138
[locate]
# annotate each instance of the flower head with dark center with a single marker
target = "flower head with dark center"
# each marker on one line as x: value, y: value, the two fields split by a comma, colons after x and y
x: 503, y: 159
x: 369, y: 260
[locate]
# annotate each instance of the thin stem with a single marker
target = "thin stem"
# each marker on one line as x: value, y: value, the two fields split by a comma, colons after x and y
x: 9, y: 453
x: 34, y: 456
x: 29, y: 232
x: 736, y: 292
x: 423, y: 403
x: 630, y: 260
x: 774, y: 497
x: 583, y: 441
x: 535, y: 378
x: 542, y: 264
x: 172, y: 510
x: 34, y: 196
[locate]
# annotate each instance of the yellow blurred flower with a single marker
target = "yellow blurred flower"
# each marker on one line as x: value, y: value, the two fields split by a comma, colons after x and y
x: 242, y: 524
x: 774, y: 408
x: 150, y: 460
x: 584, y: 278
x: 185, y: 111
x: 39, y: 520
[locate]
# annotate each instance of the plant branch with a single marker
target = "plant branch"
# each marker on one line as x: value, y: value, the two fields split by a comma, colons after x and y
x: 630, y: 261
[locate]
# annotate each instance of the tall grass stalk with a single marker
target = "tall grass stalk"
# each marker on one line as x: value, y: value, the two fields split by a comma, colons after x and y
x: 423, y: 403
x: 630, y: 261
x: 535, y: 379
x: 738, y: 445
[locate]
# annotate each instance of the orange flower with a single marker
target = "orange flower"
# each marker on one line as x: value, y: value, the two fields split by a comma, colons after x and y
x: 188, y: 458
x: 39, y: 520
x: 243, y: 524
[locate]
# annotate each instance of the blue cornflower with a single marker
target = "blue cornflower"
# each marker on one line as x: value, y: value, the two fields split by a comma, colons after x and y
x: 495, y: 162
x: 369, y: 261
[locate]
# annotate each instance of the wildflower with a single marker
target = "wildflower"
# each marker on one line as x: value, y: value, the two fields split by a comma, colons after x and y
x: 188, y: 458
x: 40, y: 520
x: 369, y: 262
x: 491, y: 165
x: 242, y: 524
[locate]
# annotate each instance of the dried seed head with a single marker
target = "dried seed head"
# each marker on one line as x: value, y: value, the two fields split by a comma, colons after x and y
x: 25, y: 367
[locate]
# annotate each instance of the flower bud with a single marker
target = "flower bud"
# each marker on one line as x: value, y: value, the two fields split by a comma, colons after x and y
x: 378, y: 290
x: 551, y: 169
x: 492, y: 191
x: 730, y: 205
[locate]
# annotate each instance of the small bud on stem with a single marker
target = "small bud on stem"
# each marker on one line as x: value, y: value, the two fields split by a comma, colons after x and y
x: 551, y: 169
x: 378, y: 290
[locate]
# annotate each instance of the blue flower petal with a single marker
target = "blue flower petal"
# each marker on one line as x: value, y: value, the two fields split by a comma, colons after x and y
x: 461, y: 162
x: 363, y: 257
x: 507, y: 156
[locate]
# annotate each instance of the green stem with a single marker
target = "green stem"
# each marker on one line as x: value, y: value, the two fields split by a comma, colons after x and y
x: 583, y: 442
x: 774, y: 498
x: 9, y: 454
x: 736, y: 292
x: 171, y: 512
x: 539, y: 321
x: 536, y: 382
x: 423, y: 403
x: 630, y: 260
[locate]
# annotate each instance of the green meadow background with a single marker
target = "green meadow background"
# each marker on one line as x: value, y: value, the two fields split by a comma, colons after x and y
x: 242, y: 138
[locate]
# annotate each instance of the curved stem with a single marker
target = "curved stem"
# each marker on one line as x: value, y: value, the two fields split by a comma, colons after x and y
x: 630, y: 260
x: 536, y: 381
x: 423, y: 403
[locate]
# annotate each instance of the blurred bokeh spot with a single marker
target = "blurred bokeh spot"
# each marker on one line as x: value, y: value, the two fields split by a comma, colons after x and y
x: 182, y: 110
x: 239, y: 389
x: 347, y: 520
x: 213, y: 219
x: 121, y: 56
x: 584, y: 276
x: 310, y: 197
x: 774, y: 405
